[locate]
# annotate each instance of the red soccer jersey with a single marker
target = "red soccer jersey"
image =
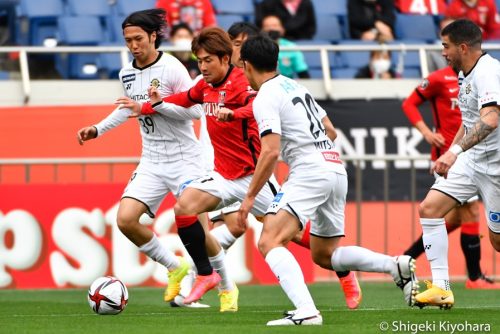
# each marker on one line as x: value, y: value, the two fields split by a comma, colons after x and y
x: 236, y: 143
x: 441, y: 89
x: 484, y: 14
x: 422, y: 7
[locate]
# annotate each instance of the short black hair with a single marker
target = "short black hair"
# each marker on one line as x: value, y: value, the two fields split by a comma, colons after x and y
x: 149, y: 20
x: 180, y: 26
x: 463, y: 31
x: 262, y: 52
x: 246, y: 28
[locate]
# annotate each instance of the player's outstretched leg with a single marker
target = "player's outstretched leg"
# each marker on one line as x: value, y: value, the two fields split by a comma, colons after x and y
x: 435, y: 296
x: 401, y: 268
x: 186, y: 286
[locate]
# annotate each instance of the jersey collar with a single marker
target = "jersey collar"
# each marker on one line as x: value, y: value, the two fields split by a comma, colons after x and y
x: 134, y: 64
x: 466, y: 74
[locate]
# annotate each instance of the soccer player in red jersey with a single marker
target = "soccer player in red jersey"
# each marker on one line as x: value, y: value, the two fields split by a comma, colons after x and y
x: 235, y: 138
x: 481, y: 12
x: 441, y: 90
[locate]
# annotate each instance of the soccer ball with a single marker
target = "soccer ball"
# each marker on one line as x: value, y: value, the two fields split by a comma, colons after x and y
x: 107, y: 295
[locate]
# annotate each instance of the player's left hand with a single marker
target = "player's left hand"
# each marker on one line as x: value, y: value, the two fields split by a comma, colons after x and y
x: 225, y: 115
x: 444, y: 163
x: 127, y: 102
x: 245, y: 208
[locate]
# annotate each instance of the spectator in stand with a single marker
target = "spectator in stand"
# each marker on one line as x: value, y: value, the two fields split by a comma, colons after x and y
x: 378, y: 68
x: 198, y: 14
x: 290, y: 63
x: 181, y: 35
x: 297, y: 16
x: 481, y: 12
x: 422, y: 7
x: 371, y: 20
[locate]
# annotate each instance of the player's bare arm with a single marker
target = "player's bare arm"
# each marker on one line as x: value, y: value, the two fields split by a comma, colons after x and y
x: 269, y: 154
x: 329, y: 128
x: 433, y: 138
x: 86, y: 133
x: 486, y: 125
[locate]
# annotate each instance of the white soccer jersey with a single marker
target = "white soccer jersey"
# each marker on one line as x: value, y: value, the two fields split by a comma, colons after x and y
x: 166, y: 136
x: 479, y: 89
x: 284, y: 107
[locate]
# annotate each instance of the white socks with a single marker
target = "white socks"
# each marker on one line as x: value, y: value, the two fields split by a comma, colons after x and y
x: 435, y: 240
x: 217, y: 262
x: 160, y: 254
x: 225, y: 238
x: 289, y: 274
x: 361, y: 259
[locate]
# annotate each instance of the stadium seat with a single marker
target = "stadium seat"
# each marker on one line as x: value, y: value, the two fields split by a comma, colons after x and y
x: 125, y: 7
x: 115, y: 28
x: 241, y: 7
x: 416, y: 27
x: 41, y: 18
x: 225, y: 21
x: 99, y: 8
x: 411, y: 73
x: 79, y: 30
x: 408, y: 62
x: 344, y: 73
x: 330, y: 7
x: 355, y: 59
x: 328, y: 28
x: 110, y: 64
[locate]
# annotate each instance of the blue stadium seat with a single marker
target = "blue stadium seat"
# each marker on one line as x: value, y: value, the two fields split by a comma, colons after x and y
x: 41, y: 17
x: 125, y: 7
x: 344, y: 73
x: 241, y: 7
x: 110, y: 64
x: 79, y: 30
x: 355, y: 59
x: 410, y: 59
x: 328, y: 28
x: 411, y: 73
x: 330, y: 7
x: 115, y: 28
x: 225, y: 21
x: 99, y: 8
x: 416, y: 27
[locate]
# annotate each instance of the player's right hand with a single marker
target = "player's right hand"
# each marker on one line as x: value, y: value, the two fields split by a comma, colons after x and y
x: 435, y: 139
x: 86, y: 133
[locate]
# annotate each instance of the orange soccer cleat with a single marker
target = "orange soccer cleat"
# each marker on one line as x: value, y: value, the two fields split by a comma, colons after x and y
x: 201, y: 286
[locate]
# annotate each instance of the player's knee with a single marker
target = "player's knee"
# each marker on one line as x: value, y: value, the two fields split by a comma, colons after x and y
x: 181, y: 208
x: 237, y: 230
x: 427, y: 210
x: 265, y: 244
x: 471, y: 212
x: 125, y: 222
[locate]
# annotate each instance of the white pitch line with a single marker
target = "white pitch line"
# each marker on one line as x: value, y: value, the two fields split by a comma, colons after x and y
x: 255, y: 311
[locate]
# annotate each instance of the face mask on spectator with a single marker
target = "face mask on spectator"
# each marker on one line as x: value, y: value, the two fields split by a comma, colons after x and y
x: 184, y: 43
x: 274, y: 34
x: 380, y: 66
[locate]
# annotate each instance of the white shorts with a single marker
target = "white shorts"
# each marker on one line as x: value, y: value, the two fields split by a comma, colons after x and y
x: 319, y: 197
x: 231, y: 191
x: 151, y: 182
x: 463, y: 183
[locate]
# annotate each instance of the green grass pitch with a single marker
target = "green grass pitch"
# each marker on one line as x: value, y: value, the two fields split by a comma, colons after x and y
x: 67, y: 311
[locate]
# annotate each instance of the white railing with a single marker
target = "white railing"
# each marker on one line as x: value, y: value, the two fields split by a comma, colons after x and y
x: 322, y: 49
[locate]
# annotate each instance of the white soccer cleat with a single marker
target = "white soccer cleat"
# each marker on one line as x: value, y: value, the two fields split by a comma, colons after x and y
x: 404, y: 277
x: 179, y: 302
x: 294, y: 318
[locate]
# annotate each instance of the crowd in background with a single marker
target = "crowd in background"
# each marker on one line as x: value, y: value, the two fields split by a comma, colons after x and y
x: 292, y: 22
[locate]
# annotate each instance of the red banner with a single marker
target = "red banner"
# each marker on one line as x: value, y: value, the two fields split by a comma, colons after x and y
x: 66, y: 235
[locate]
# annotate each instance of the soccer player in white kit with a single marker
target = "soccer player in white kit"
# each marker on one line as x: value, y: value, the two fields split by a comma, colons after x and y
x: 291, y: 123
x: 472, y: 164
x: 170, y: 151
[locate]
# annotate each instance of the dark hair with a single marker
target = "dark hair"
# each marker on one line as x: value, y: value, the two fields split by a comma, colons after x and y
x: 261, y: 52
x: 245, y: 28
x: 180, y: 26
x: 213, y: 40
x: 149, y: 20
x: 463, y: 31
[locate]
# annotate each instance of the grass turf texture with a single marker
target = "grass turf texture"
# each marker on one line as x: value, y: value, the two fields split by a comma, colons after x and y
x: 67, y: 311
